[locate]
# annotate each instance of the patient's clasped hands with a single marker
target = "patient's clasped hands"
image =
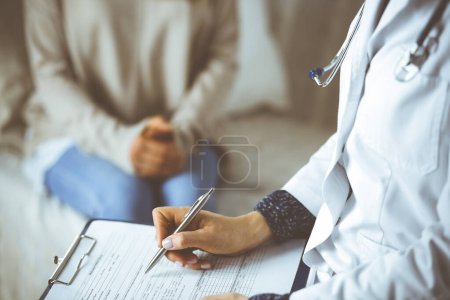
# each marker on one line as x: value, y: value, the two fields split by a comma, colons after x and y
x: 154, y: 152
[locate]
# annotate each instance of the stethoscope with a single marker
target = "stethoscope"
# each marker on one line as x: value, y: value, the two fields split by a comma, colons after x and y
x: 408, y: 66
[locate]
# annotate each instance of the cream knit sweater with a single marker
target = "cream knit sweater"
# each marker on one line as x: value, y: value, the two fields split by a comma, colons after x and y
x: 101, y: 68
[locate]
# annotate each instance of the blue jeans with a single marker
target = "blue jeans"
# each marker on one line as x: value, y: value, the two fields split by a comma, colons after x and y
x: 99, y: 189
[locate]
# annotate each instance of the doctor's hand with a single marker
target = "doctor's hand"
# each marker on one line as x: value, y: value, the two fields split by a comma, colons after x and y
x: 231, y: 296
x: 209, y: 232
x: 154, y: 152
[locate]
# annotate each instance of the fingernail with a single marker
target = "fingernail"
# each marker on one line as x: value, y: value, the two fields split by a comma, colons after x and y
x: 205, y: 266
x: 192, y: 261
x: 167, y: 243
x: 178, y: 263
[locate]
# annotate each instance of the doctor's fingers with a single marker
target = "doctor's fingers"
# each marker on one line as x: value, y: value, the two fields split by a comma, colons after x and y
x: 166, y: 219
x: 231, y: 296
x: 199, y: 239
x: 188, y: 259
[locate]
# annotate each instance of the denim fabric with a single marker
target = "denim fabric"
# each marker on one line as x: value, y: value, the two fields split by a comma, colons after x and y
x: 98, y: 189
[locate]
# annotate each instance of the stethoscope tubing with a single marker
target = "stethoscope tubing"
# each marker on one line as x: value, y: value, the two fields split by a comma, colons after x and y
x: 338, y: 59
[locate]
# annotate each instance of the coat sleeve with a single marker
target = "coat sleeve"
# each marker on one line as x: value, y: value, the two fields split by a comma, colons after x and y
x: 422, y: 271
x: 204, y: 100
x: 65, y: 101
x: 306, y: 184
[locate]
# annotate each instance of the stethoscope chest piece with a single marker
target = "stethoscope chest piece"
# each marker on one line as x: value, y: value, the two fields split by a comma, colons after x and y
x: 412, y: 60
x: 406, y: 68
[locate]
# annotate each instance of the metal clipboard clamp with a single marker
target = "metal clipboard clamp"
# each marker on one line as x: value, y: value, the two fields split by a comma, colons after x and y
x: 62, y: 263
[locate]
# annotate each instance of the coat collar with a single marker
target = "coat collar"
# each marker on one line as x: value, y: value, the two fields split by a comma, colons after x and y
x: 334, y: 200
x: 359, y: 64
x: 372, y: 13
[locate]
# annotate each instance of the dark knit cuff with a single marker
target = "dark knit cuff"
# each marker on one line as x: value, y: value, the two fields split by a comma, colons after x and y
x: 286, y: 216
x: 269, y: 297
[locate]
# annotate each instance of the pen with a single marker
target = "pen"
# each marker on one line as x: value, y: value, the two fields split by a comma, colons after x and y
x: 190, y: 215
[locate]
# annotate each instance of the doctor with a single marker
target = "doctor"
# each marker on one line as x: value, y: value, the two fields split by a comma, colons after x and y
x: 375, y: 198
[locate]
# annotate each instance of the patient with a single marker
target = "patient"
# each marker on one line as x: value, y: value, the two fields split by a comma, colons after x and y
x: 122, y: 92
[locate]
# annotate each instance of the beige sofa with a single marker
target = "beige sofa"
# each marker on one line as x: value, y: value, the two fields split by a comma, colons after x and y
x: 35, y: 227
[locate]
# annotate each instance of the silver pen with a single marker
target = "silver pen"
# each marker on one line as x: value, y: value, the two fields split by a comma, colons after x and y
x: 190, y: 215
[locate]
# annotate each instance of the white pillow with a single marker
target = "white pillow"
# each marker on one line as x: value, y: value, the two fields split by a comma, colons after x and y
x: 261, y: 79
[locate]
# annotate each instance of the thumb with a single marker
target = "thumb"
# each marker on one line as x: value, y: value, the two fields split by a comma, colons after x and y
x: 160, y: 124
x: 163, y: 128
x: 186, y: 239
x: 160, y: 131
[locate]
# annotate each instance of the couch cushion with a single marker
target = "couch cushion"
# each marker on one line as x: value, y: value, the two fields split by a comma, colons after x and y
x: 15, y: 83
x: 278, y: 146
x: 33, y: 228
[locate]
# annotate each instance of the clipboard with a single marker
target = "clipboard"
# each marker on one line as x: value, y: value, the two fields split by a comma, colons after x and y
x: 61, y: 263
x: 302, y: 277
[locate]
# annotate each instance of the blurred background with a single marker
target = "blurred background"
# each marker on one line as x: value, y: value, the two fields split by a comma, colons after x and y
x: 283, y: 116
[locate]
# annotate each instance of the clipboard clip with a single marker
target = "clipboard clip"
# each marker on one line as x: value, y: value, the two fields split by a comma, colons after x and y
x: 62, y: 262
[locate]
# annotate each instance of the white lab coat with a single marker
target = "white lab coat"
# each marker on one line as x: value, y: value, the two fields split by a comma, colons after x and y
x: 391, y: 238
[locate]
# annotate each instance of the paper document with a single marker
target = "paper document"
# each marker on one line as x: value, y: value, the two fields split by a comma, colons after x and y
x: 115, y: 269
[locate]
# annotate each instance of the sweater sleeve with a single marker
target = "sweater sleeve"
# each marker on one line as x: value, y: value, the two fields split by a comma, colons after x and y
x: 202, y: 103
x: 67, y: 103
x: 286, y: 216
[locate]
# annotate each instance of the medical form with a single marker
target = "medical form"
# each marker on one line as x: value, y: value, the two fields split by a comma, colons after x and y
x: 115, y: 269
